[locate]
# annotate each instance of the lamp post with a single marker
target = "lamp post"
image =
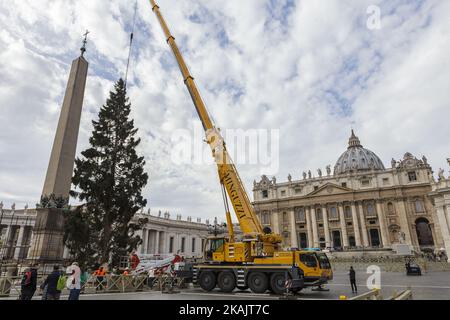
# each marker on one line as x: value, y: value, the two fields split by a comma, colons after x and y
x: 216, y: 229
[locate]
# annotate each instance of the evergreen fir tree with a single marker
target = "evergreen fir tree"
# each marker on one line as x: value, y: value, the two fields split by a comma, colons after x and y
x: 110, y: 177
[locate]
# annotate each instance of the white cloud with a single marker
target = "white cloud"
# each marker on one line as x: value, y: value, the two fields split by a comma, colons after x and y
x: 308, y: 68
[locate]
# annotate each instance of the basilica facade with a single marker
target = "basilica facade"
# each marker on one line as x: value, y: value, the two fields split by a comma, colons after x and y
x: 360, y: 204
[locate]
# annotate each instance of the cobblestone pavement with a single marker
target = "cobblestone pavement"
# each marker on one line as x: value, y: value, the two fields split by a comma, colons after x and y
x: 429, y: 286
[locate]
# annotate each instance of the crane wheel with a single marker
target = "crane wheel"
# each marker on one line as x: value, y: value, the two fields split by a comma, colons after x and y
x: 277, y: 283
x: 258, y: 282
x: 226, y: 281
x: 207, y: 280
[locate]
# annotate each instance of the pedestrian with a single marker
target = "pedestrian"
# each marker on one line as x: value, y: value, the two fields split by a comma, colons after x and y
x: 134, y: 260
x: 100, y: 274
x: 74, y: 281
x: 352, y: 275
x: 29, y: 283
x: 51, y: 283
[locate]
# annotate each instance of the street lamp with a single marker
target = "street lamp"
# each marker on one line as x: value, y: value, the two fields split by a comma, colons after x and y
x: 216, y: 229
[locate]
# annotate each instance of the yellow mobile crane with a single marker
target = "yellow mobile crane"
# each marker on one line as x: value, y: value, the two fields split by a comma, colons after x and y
x: 257, y: 261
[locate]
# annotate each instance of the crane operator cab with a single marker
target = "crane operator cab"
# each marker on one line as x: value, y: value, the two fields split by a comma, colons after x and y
x: 213, y: 245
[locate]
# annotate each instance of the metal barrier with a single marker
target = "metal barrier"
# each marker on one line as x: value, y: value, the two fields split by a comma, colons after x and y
x: 375, y: 295
x: 371, y: 295
x: 11, y: 286
x: 115, y: 284
x: 404, y: 295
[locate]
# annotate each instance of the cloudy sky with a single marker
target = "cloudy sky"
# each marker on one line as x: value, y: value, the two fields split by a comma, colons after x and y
x: 311, y: 69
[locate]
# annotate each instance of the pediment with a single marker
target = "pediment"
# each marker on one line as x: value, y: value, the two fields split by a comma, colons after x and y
x: 329, y: 189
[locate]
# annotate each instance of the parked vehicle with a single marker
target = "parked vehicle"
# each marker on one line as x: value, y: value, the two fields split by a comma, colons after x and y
x: 413, y: 269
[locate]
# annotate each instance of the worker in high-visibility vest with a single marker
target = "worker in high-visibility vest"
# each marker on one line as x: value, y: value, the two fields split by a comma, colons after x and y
x: 100, y: 273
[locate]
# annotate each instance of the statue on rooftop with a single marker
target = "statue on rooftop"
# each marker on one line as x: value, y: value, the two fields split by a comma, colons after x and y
x: 441, y: 174
x: 393, y: 163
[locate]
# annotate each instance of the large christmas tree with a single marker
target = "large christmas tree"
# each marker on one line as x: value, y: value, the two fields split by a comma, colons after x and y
x: 109, y: 179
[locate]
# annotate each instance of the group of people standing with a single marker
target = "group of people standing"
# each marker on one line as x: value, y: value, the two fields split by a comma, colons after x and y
x: 73, y: 279
x: 54, y: 284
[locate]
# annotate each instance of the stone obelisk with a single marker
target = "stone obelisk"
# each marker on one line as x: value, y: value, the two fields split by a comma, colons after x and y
x: 47, y: 242
x: 62, y: 159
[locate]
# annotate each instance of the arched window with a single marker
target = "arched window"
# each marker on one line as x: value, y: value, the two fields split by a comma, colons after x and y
x: 419, y: 206
x: 424, y: 233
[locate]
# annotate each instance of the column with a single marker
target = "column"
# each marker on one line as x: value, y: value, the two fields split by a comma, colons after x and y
x: 163, y: 243
x: 356, y: 225
x: 294, y: 238
x: 343, y: 225
x: 9, y: 242
x: 326, y: 227
x: 141, y: 246
x: 153, y: 242
x: 144, y: 240
x: 157, y: 233
x: 448, y: 216
x: 275, y: 222
x: 444, y: 224
x: 383, y: 227
x: 403, y: 220
x: 19, y: 244
x: 311, y: 238
x: 363, y: 225
x: 149, y: 242
x: 4, y: 248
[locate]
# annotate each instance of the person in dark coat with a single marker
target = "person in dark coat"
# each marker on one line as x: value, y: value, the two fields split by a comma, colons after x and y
x: 52, y: 283
x: 29, y: 283
x: 352, y: 275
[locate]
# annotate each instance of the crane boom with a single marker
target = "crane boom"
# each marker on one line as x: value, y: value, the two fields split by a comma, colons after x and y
x: 229, y: 177
x: 256, y: 261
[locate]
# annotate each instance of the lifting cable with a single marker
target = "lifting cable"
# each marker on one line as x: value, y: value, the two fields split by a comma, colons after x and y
x: 225, y: 199
x: 131, y: 43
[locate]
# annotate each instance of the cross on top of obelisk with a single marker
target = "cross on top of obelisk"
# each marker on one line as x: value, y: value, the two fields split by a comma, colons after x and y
x: 83, y: 48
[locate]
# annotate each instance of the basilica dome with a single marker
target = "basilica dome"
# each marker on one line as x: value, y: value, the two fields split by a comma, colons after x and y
x: 357, y: 159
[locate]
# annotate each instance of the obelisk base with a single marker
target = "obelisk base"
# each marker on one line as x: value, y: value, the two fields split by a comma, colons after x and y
x: 47, y: 244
